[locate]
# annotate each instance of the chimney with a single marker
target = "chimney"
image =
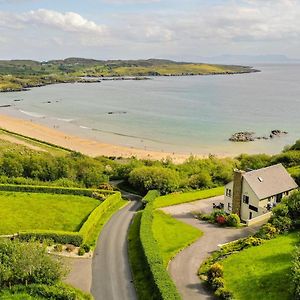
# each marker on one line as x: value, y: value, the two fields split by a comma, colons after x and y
x: 237, y: 191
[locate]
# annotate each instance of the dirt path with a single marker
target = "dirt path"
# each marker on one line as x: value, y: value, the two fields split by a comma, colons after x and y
x: 184, y: 267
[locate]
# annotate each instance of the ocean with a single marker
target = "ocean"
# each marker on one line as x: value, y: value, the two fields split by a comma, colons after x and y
x: 190, y: 115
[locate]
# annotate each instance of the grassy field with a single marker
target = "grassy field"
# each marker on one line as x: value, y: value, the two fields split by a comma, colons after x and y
x: 31, y: 143
x: 178, y: 198
x: 261, y: 272
x: 26, y: 211
x: 140, y: 270
x: 172, y: 235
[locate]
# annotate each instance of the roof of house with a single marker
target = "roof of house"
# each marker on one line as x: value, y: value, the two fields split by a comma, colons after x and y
x: 270, y: 181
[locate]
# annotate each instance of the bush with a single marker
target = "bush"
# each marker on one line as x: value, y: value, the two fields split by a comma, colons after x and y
x: 61, y: 237
x: 215, y: 271
x: 86, y: 248
x: 252, y: 241
x: 58, y: 248
x: 81, y: 251
x: 224, y: 294
x: 165, y: 287
x: 295, y: 275
x: 26, y: 263
x: 282, y: 224
x: 200, y: 180
x: 233, y: 220
x: 217, y: 283
x: 267, y: 232
x: 154, y: 178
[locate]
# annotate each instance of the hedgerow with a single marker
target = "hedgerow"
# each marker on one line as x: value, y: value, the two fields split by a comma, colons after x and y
x: 166, y: 289
x: 60, y: 237
x: 52, y: 190
x: 90, y: 226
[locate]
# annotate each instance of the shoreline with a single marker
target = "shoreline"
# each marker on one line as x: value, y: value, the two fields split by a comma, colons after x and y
x: 85, y: 146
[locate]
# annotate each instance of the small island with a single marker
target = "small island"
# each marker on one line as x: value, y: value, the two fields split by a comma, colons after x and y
x: 21, y: 75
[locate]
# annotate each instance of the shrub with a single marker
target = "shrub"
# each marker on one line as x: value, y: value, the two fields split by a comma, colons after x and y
x: 295, y: 275
x: 252, y: 241
x: 220, y: 219
x: 61, y: 237
x: 224, y: 294
x: 81, y: 251
x: 70, y: 248
x: 200, y: 180
x: 233, y: 220
x: 58, y: 248
x: 86, y: 248
x: 154, y: 178
x: 267, y: 231
x: 26, y: 263
x: 215, y: 271
x: 217, y: 283
x: 282, y: 224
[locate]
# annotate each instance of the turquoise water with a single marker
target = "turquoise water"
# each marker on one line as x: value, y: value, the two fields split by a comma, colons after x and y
x: 193, y: 114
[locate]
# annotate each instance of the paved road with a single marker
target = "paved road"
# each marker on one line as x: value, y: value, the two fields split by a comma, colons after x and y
x: 183, y: 268
x: 112, y: 278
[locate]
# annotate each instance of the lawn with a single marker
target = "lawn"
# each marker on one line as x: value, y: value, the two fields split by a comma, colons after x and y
x: 172, y: 235
x: 178, y: 198
x: 261, y: 272
x: 26, y: 211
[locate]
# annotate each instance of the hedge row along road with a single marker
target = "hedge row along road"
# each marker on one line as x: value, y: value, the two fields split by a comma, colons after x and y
x: 112, y: 278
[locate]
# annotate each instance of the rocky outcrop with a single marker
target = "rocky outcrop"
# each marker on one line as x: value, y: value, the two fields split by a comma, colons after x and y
x: 248, y: 136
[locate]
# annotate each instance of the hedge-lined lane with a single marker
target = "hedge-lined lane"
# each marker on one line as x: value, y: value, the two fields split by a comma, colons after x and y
x: 112, y: 278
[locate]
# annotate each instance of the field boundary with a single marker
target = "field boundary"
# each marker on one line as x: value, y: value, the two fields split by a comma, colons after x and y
x: 87, y: 234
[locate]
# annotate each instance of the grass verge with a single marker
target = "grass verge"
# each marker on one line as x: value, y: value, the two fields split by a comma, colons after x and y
x: 141, y: 273
x: 179, y: 198
x: 172, y: 235
x: 261, y: 272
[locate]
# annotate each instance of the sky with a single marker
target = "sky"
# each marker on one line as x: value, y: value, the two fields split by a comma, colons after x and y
x: 185, y: 30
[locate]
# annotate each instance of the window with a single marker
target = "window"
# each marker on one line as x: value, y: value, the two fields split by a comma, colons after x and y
x: 229, y: 206
x: 245, y: 199
x: 253, y: 208
x: 260, y: 179
x: 228, y: 192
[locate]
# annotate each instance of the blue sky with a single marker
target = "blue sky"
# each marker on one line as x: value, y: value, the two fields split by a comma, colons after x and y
x: 181, y: 30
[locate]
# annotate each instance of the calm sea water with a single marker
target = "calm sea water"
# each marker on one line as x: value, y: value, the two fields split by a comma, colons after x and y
x: 194, y: 114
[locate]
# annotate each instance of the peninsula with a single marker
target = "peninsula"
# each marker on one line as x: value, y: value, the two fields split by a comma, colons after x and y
x: 20, y: 75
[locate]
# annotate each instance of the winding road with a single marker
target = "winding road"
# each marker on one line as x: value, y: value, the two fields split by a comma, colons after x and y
x: 184, y: 267
x: 111, y: 274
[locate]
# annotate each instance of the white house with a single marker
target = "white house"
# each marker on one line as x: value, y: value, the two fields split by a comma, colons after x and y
x: 252, y: 194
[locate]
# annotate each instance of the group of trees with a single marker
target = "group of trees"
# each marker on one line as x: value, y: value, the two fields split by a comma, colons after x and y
x: 75, y: 169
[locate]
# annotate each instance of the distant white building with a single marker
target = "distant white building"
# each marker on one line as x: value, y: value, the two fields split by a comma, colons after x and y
x: 252, y: 194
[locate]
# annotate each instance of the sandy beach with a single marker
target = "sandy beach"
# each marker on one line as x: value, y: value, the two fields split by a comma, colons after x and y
x: 85, y: 146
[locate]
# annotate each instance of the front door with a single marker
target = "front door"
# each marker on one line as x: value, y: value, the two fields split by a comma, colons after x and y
x: 250, y: 215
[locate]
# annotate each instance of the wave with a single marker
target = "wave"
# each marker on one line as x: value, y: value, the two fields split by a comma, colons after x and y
x: 65, y: 120
x: 84, y: 127
x: 32, y: 114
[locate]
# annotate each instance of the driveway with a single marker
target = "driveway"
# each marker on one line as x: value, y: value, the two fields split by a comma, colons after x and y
x: 184, y: 267
x: 111, y: 274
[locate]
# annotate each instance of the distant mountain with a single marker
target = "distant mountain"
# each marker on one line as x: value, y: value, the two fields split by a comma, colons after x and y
x: 249, y: 59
